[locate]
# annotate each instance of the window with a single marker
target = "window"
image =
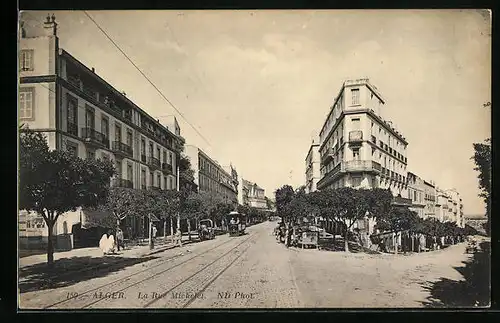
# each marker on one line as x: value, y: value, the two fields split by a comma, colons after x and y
x: 150, y: 149
x: 118, y: 168
x: 90, y: 154
x: 355, y: 153
x: 72, y: 148
x: 158, y: 152
x: 26, y: 63
x: 167, y: 182
x: 118, y: 133
x: 355, y: 123
x: 158, y: 180
x: 143, y: 178
x: 105, y: 126
x: 151, y: 179
x: 26, y: 103
x: 89, y: 117
x: 143, y: 146
x: 129, y: 172
x: 355, y: 96
x: 164, y: 156
x: 129, y: 138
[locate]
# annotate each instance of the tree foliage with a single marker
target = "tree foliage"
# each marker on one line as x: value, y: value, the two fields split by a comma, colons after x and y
x: 482, y: 160
x: 54, y: 182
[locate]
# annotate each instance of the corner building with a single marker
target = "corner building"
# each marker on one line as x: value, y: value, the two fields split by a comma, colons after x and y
x: 80, y: 112
x: 358, y: 148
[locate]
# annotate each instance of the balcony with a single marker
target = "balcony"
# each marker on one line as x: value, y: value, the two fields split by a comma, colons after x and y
x: 327, y: 156
x: 72, y: 128
x: 355, y: 137
x: 154, y: 162
x: 360, y: 166
x: 122, y: 149
x: 166, y: 168
x: 401, y: 201
x: 91, y: 136
x: 120, y: 182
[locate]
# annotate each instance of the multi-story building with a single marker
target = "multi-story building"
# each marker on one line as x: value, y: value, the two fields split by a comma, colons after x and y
x: 358, y: 148
x: 430, y: 199
x: 455, y: 207
x: 211, y: 177
x: 253, y: 195
x: 80, y: 112
x: 312, y: 167
x: 416, y: 193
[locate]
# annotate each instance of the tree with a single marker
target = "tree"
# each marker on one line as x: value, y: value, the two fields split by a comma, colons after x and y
x: 482, y: 159
x: 54, y: 182
x: 186, y: 175
x: 119, y: 204
x: 284, y: 196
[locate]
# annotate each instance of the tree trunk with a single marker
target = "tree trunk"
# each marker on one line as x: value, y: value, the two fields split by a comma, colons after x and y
x: 395, y: 242
x: 346, y: 240
x: 165, y: 230
x: 179, y: 231
x: 172, y: 228
x: 50, y: 245
x: 189, y: 229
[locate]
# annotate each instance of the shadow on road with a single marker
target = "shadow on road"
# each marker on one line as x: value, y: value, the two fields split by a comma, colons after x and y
x: 69, y: 271
x: 473, y: 291
x: 339, y: 245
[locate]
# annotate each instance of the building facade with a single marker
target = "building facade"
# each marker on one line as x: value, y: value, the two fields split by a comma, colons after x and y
x: 416, y: 193
x: 211, y: 177
x: 430, y: 199
x: 358, y: 148
x: 80, y: 112
x: 312, y: 167
x: 253, y: 195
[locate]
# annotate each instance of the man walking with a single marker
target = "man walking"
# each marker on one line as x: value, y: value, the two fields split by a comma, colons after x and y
x: 119, y: 239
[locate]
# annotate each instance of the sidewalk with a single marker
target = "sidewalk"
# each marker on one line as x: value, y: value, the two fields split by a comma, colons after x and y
x: 95, y: 252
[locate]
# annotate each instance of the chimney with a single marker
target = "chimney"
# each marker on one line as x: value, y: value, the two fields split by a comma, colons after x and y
x: 50, y: 26
x: 93, y: 70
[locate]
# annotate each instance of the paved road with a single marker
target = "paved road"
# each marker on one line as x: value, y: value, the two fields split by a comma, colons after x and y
x: 253, y: 271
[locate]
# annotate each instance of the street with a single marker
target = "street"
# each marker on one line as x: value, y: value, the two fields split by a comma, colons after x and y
x: 254, y: 271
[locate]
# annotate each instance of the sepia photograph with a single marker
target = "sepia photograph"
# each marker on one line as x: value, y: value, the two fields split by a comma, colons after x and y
x: 254, y: 159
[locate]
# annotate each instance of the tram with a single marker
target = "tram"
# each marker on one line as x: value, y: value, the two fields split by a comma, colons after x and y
x: 236, y: 223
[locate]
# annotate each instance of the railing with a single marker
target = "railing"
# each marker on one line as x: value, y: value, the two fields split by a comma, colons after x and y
x: 359, y: 165
x: 74, y: 80
x: 120, y: 147
x: 89, y: 91
x: 166, y: 167
x: 402, y: 200
x: 72, y: 128
x: 120, y: 182
x: 95, y: 136
x: 355, y: 136
x: 155, y: 162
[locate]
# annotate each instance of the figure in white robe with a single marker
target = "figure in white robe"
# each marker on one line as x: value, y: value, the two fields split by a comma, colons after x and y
x: 103, y: 243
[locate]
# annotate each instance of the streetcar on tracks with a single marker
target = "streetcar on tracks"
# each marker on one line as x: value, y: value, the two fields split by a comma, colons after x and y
x: 236, y: 223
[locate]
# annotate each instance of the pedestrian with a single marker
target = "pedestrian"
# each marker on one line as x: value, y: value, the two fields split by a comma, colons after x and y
x: 103, y: 244
x: 111, y: 242
x: 119, y: 239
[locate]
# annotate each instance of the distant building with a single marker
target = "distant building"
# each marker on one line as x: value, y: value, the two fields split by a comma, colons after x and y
x: 312, y: 167
x: 416, y: 193
x: 211, y: 177
x: 476, y: 221
x: 252, y: 195
x: 430, y: 199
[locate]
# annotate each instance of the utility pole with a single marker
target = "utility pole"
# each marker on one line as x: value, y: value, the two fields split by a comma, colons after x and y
x: 178, y: 211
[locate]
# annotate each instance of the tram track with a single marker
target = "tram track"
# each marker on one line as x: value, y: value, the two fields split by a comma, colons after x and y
x: 212, y: 277
x: 85, y: 294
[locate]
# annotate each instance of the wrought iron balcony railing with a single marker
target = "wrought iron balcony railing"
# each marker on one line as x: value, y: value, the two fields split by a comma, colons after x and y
x: 120, y: 182
x: 360, y: 166
x: 355, y: 136
x: 122, y: 149
x: 92, y: 136
x: 72, y: 128
x: 154, y: 162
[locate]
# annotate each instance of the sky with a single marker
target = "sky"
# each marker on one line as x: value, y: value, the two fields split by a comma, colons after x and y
x: 258, y: 85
